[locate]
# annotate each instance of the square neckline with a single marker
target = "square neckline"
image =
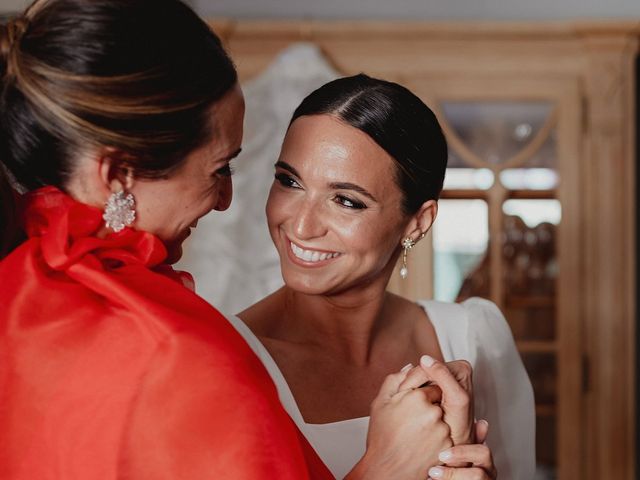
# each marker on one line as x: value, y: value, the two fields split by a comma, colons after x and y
x: 285, y: 393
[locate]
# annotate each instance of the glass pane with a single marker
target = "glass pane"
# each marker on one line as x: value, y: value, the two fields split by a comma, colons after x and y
x: 541, y: 368
x: 468, y: 178
x: 529, y: 178
x: 537, y: 172
x: 546, y: 446
x: 530, y: 267
x: 460, y: 239
x: 530, y: 278
x: 534, y: 212
x: 495, y: 131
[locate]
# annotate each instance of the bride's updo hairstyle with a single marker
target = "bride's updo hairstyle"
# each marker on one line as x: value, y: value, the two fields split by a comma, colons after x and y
x: 138, y: 76
x: 398, y: 121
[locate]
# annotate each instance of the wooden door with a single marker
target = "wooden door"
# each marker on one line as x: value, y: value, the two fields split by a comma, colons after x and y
x: 509, y: 230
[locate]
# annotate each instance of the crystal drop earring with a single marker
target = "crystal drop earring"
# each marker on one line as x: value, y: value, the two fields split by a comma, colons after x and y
x: 119, y: 211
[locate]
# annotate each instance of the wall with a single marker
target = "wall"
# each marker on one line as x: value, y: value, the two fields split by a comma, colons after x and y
x: 12, y: 5
x: 19, y: 5
x: 420, y: 9
x: 405, y: 9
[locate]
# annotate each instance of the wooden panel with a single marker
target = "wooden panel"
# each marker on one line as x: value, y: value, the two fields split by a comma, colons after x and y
x: 609, y: 230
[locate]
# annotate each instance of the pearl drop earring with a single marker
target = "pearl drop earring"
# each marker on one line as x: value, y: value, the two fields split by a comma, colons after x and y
x: 407, y: 244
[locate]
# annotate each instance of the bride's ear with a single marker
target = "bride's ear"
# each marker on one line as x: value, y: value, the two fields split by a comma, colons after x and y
x: 115, y: 173
x: 422, y: 220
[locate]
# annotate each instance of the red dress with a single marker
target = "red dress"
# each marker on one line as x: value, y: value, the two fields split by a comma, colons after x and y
x: 111, y: 369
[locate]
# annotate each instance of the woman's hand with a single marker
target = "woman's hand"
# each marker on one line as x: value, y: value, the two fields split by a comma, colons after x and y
x: 476, y: 458
x: 406, y: 432
x: 455, y: 382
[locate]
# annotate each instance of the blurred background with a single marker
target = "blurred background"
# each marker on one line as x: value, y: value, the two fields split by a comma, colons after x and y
x: 539, y: 102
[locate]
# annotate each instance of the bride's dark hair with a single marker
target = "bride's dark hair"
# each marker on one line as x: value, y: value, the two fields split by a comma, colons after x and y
x: 139, y: 76
x: 395, y: 119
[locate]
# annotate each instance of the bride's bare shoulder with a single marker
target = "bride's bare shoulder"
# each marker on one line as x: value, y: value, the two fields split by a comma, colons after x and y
x: 405, y: 307
x: 261, y: 317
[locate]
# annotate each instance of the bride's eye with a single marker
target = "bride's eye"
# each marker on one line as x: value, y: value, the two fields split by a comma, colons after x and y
x: 350, y: 202
x: 287, y: 181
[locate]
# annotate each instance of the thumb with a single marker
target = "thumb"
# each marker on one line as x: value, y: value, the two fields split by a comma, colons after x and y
x: 392, y: 383
x: 482, y: 431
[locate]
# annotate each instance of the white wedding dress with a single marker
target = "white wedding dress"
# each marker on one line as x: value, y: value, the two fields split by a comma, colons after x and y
x: 474, y: 330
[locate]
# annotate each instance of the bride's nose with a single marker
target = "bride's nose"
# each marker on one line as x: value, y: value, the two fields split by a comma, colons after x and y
x: 308, y: 220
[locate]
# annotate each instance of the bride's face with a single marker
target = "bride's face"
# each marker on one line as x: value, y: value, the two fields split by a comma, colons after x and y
x: 334, y: 210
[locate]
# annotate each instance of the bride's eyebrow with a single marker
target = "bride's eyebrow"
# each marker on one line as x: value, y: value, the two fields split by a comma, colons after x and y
x: 286, y: 166
x: 352, y: 186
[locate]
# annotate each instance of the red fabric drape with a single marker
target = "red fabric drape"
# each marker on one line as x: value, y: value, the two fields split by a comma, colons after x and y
x: 111, y: 369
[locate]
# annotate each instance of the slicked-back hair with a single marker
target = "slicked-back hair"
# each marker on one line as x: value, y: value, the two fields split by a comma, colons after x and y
x: 398, y: 121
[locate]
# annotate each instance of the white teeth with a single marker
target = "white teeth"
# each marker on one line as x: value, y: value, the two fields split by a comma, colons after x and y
x: 310, y: 255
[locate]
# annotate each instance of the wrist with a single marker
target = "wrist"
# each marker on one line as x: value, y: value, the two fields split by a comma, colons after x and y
x: 368, y: 468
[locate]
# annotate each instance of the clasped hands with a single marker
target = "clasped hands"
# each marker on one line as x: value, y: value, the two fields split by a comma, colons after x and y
x: 422, y: 424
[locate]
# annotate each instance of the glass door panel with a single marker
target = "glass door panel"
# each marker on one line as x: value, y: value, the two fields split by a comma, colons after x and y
x: 496, y: 234
x: 460, y: 240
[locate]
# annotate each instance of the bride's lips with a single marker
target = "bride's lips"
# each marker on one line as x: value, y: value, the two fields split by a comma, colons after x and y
x: 308, y: 257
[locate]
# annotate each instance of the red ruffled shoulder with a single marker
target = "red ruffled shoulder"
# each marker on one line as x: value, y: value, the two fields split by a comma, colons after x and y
x: 110, y: 369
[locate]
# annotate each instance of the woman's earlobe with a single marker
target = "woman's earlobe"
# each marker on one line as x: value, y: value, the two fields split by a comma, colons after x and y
x: 115, y: 173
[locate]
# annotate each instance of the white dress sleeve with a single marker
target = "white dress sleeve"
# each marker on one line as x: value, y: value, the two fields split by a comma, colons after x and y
x: 502, y: 391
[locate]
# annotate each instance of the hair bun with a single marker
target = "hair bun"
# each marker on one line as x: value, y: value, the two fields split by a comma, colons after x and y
x: 10, y: 35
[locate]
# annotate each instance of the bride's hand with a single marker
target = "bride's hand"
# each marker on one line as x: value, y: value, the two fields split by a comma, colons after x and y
x: 406, y: 432
x: 476, y: 458
x: 455, y: 382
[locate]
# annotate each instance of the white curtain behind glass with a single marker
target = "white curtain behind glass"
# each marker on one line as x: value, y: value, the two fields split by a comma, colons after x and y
x: 230, y: 253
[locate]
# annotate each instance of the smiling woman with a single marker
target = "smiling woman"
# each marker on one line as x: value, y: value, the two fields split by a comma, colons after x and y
x: 356, y: 186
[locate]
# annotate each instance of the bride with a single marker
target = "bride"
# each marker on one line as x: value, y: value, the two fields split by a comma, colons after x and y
x: 356, y: 187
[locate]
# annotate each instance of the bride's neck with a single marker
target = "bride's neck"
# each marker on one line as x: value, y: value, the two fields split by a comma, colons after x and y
x: 348, y: 323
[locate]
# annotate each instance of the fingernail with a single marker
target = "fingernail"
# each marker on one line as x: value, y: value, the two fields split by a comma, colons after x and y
x: 406, y: 367
x: 445, y: 456
x: 436, y: 472
x: 426, y: 361
x: 483, y: 421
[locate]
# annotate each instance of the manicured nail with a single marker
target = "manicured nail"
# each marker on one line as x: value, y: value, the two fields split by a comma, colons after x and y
x: 445, y: 456
x: 408, y: 366
x: 436, y: 472
x: 426, y: 361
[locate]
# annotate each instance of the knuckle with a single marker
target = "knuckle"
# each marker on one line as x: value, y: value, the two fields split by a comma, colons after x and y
x: 434, y: 414
x: 443, y: 431
x: 439, y: 367
x: 465, y: 367
x: 485, y: 452
x: 460, y: 399
x: 392, y: 377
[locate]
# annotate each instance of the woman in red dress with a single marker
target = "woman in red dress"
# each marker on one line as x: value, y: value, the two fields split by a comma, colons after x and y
x: 118, y: 119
